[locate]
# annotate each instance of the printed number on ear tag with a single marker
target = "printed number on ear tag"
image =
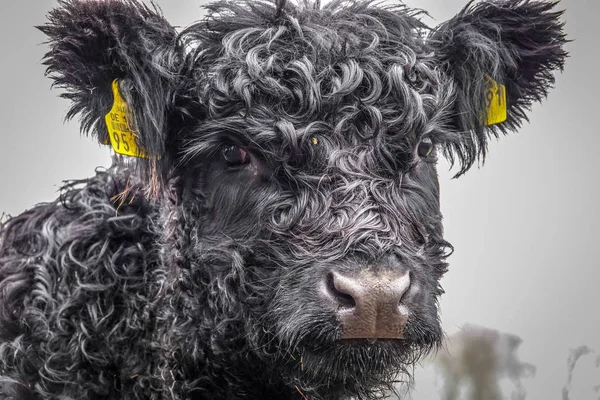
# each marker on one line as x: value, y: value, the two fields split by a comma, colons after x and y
x: 495, y: 102
x: 122, y: 138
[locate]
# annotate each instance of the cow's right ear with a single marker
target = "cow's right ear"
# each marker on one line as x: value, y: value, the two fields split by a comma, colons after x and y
x: 101, y: 50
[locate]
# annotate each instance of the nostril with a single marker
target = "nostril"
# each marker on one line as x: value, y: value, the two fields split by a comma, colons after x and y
x: 402, y: 287
x: 344, y: 300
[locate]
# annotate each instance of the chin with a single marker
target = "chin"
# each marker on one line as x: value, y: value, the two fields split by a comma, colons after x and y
x: 358, y: 368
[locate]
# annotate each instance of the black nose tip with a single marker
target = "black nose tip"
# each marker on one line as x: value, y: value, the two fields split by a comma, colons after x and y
x: 369, y: 303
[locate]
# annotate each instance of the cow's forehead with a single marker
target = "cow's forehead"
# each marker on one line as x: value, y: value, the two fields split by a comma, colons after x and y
x: 264, y: 39
x: 347, y: 70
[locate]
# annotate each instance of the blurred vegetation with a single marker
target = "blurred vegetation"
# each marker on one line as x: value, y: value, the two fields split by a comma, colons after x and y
x: 479, y: 363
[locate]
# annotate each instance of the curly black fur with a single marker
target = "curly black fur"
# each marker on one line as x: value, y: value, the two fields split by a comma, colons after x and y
x: 207, y: 289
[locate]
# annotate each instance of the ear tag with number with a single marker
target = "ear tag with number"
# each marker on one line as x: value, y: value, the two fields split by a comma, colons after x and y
x: 495, y: 102
x: 122, y: 138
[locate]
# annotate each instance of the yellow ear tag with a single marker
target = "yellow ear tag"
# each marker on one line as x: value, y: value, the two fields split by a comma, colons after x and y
x: 495, y: 101
x: 122, y: 138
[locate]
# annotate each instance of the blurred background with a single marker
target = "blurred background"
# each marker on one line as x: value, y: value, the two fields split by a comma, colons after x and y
x: 522, y: 288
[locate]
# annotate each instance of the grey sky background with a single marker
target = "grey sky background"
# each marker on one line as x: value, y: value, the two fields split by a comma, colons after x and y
x: 525, y: 226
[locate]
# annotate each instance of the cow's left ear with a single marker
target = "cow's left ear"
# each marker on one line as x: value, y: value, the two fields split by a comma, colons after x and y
x: 500, y: 55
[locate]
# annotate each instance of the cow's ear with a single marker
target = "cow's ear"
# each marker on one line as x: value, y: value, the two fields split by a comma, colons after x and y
x: 501, y: 56
x: 118, y: 55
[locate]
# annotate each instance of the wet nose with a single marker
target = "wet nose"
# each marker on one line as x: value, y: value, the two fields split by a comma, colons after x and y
x: 369, y: 303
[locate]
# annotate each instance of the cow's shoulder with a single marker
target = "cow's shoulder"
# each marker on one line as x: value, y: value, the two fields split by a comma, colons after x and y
x: 79, y: 278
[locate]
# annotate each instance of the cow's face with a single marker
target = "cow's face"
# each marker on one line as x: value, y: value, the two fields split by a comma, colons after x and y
x: 315, y: 169
x: 301, y: 144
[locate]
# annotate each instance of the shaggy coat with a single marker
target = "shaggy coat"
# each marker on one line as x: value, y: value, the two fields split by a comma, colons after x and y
x: 282, y: 140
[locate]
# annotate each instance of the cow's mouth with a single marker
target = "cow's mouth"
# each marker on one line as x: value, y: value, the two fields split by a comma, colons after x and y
x: 360, y: 359
x: 371, y: 341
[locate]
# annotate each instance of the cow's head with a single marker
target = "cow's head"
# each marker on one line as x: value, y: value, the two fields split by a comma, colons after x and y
x: 298, y: 146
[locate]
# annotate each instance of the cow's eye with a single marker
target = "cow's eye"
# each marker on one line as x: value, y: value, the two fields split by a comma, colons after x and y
x: 235, y: 156
x: 425, y: 147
